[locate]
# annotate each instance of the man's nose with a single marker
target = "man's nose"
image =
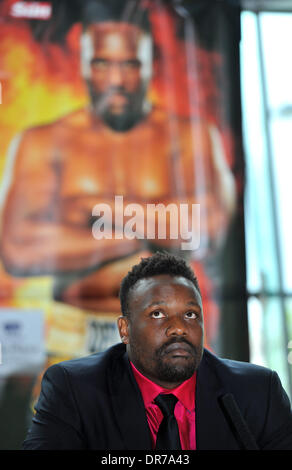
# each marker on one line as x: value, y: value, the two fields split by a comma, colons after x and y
x: 115, y: 76
x: 176, y: 326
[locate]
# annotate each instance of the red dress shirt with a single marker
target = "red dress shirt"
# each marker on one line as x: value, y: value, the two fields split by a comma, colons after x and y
x: 184, y: 409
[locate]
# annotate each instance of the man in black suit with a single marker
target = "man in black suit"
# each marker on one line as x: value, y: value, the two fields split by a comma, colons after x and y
x: 115, y: 400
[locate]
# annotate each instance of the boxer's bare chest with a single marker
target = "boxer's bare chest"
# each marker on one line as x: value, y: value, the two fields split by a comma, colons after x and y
x: 138, y: 165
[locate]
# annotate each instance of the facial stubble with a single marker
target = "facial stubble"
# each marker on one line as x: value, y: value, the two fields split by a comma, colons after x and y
x: 126, y: 119
x: 162, y: 366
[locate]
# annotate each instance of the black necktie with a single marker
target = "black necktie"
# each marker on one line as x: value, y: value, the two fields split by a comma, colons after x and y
x: 168, y: 433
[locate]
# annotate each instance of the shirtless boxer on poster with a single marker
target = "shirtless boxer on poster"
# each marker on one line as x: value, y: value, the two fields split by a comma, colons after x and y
x: 118, y: 146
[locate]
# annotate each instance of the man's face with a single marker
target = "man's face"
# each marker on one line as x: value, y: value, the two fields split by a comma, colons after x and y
x: 164, y: 333
x: 115, y: 83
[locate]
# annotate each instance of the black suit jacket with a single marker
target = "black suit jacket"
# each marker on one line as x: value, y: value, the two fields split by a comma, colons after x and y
x: 94, y: 403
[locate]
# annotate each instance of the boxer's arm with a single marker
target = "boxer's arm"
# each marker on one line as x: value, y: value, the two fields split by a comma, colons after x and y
x: 224, y: 179
x: 205, y: 180
x: 220, y: 194
x: 209, y: 181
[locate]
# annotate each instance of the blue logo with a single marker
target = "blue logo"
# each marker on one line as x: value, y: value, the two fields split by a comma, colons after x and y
x: 12, y: 328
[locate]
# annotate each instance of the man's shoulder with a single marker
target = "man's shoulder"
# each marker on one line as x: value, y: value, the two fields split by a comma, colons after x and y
x: 184, y: 128
x: 79, y: 119
x: 59, y: 132
x: 234, y: 369
x: 249, y: 383
x: 92, y: 365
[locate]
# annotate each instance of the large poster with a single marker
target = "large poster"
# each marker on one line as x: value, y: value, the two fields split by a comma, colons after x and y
x: 120, y: 136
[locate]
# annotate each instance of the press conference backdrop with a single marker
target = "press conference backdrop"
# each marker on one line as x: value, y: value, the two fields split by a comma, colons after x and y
x: 120, y: 106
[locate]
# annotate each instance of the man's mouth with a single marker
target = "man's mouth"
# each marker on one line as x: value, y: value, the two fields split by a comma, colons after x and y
x: 178, y: 349
x: 118, y: 99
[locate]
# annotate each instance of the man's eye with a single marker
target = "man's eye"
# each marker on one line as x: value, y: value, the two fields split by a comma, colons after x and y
x: 191, y: 314
x: 157, y: 314
x: 131, y: 64
x: 99, y: 64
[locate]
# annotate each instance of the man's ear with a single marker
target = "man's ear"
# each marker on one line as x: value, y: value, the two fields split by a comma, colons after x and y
x: 123, y: 326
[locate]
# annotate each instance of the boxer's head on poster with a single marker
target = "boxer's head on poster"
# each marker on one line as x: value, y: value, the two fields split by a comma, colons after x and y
x: 116, y: 55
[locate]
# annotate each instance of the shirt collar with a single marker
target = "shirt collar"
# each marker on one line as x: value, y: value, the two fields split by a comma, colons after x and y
x: 185, y: 392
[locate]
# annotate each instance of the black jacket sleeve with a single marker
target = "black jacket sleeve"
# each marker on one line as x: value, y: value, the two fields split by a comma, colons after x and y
x: 56, y: 424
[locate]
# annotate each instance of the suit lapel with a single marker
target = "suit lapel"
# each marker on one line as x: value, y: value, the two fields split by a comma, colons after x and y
x: 128, y: 405
x: 212, y: 430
